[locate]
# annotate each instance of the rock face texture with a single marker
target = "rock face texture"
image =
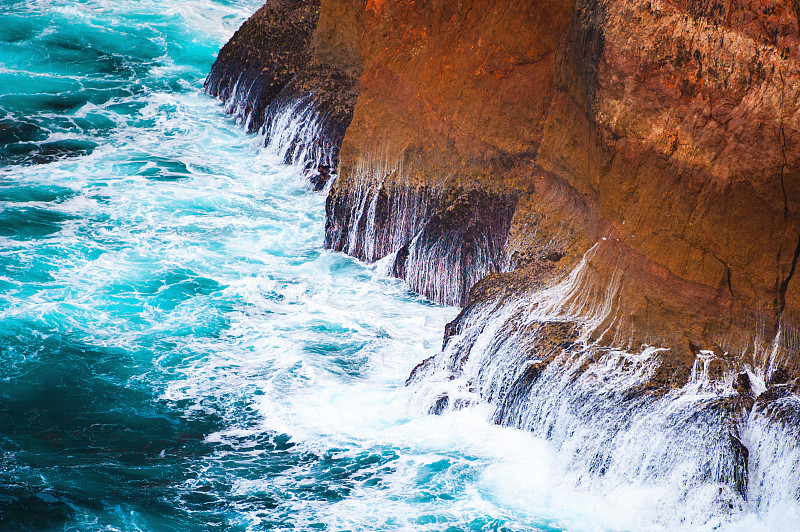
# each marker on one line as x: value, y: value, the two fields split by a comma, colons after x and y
x: 611, y: 189
x: 692, y: 162
x: 454, y: 100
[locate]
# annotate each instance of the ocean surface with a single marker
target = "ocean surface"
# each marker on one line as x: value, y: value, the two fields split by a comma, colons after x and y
x: 177, y: 350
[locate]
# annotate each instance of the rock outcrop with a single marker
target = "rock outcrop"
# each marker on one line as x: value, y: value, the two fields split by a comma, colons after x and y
x: 291, y: 71
x: 491, y: 136
x: 454, y: 99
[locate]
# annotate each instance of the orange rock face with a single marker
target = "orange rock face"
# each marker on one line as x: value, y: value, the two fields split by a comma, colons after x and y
x: 497, y: 136
x: 453, y: 98
x: 670, y: 129
x: 695, y: 145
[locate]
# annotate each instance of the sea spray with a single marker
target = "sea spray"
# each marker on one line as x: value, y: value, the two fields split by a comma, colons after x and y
x: 535, y: 362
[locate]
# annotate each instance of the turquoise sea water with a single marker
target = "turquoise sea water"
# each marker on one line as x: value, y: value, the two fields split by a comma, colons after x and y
x: 177, y: 351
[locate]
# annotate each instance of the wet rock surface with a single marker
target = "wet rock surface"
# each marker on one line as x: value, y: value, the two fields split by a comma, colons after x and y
x: 263, y: 56
x: 376, y: 219
x: 605, y: 409
x: 459, y: 245
x: 277, y: 63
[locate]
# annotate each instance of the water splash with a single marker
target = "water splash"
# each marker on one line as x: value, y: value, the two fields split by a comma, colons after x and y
x: 379, y: 211
x: 295, y: 134
x: 441, y: 240
x: 700, y: 448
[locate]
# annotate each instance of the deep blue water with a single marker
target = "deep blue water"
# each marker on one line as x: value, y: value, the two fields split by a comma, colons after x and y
x: 177, y: 351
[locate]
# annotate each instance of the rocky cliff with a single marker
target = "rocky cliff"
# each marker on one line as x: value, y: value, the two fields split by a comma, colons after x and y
x: 492, y: 136
x: 611, y: 188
